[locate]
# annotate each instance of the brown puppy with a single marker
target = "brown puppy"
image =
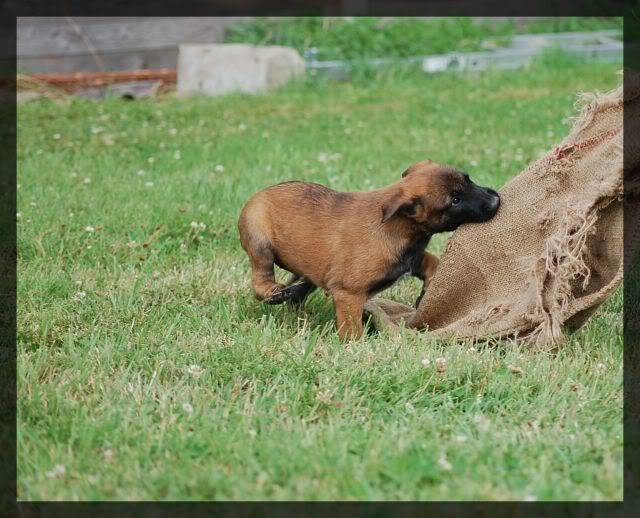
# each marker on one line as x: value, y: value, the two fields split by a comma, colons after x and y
x: 355, y: 244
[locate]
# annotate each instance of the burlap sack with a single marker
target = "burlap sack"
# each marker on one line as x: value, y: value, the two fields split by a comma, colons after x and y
x: 552, y: 253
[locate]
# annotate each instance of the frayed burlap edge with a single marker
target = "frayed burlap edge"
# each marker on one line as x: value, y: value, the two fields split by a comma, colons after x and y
x: 563, y: 260
x: 553, y: 273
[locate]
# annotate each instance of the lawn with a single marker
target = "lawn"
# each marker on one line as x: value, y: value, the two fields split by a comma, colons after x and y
x: 147, y: 370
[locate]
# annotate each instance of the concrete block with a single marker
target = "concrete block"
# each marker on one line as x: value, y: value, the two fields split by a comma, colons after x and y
x: 214, y: 69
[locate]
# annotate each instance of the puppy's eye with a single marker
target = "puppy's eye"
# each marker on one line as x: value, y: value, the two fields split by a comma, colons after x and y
x: 455, y: 200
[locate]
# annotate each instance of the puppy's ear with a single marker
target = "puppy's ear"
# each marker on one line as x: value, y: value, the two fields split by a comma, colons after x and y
x: 406, y: 172
x: 416, y: 167
x: 397, y: 202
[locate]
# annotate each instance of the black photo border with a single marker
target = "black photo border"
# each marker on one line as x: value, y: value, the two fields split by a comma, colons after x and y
x: 12, y: 9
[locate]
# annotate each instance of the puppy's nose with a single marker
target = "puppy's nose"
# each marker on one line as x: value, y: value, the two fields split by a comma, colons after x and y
x: 494, y: 200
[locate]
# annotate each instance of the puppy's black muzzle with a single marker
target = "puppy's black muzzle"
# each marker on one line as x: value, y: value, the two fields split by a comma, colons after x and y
x: 477, y: 205
x: 482, y: 205
x: 494, y: 202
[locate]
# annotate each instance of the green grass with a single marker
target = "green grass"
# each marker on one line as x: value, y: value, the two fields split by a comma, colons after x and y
x: 147, y: 370
x: 375, y: 37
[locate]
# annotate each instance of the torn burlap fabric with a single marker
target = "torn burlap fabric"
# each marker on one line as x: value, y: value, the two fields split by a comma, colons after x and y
x: 550, y: 256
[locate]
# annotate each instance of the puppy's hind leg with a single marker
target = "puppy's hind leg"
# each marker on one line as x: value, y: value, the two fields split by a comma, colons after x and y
x: 263, y: 277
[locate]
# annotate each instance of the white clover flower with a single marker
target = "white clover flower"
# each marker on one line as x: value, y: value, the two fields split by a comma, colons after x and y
x: 56, y: 471
x: 515, y: 369
x: 219, y: 168
x: 195, y: 370
x: 187, y: 408
x: 444, y: 463
x: 482, y: 422
x: 89, y: 229
x: 324, y: 396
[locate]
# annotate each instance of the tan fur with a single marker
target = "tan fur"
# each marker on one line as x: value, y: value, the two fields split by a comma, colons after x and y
x: 341, y: 242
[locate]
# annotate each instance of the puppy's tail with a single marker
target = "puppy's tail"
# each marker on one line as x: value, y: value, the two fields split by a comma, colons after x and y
x: 295, y: 291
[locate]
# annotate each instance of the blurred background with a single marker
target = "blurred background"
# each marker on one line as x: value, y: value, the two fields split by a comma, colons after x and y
x: 138, y: 56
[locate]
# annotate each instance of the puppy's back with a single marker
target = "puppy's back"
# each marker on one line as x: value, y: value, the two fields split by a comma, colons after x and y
x: 297, y: 219
x: 288, y: 202
x: 304, y: 195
